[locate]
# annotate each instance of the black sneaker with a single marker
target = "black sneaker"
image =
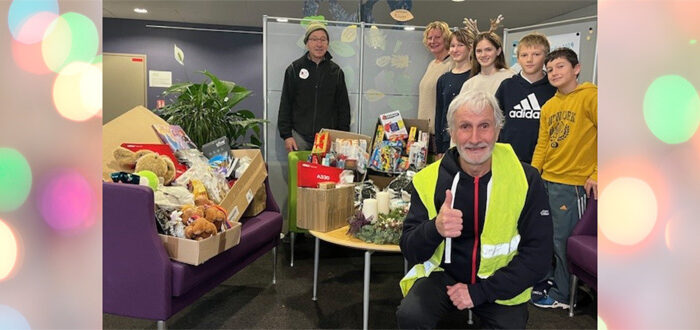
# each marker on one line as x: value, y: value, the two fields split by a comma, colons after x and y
x: 541, y: 289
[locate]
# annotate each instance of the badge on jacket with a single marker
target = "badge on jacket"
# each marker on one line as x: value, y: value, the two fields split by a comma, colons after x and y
x: 303, y: 74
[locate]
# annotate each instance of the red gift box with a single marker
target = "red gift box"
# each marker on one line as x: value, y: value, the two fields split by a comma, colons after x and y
x: 310, y: 175
x: 321, y: 143
x: 161, y: 149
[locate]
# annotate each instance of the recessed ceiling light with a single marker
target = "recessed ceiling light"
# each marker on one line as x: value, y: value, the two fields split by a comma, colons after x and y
x: 282, y: 20
x: 409, y: 28
x: 141, y: 10
x: 458, y: 0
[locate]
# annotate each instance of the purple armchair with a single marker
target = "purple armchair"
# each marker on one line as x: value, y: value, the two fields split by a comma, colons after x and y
x: 582, y: 252
x: 140, y: 280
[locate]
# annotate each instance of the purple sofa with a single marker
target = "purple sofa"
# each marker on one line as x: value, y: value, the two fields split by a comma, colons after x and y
x: 140, y: 280
x: 582, y: 251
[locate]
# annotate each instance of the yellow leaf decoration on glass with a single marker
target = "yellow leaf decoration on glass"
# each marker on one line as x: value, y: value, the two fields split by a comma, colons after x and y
x: 397, y: 46
x: 400, y: 61
x: 383, y: 61
x: 401, y: 15
x: 341, y: 49
x: 373, y: 95
x: 375, y: 38
x: 349, y: 34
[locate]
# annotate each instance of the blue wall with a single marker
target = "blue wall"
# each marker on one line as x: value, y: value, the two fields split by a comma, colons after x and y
x: 237, y: 57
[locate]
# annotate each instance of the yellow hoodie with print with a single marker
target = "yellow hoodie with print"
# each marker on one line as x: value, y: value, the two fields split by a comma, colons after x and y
x: 567, y: 145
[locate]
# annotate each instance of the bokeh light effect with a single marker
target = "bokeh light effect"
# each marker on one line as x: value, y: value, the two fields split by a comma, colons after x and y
x: 26, y: 48
x: 8, y: 252
x: 685, y: 16
x: 33, y: 30
x: 15, y: 179
x: 70, y: 38
x: 627, y: 211
x: 77, y: 91
x: 50, y: 242
x: 652, y: 111
x: 28, y: 57
x: 91, y: 89
x: 668, y: 235
x: 66, y: 201
x: 22, y: 18
x: 12, y: 319
x: 672, y: 109
x: 601, y: 324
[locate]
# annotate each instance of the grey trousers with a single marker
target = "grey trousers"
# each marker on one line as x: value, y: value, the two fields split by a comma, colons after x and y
x: 301, y: 143
x: 567, y: 204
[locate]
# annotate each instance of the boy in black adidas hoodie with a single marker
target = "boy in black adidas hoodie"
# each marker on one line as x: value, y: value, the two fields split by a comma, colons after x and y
x: 522, y: 96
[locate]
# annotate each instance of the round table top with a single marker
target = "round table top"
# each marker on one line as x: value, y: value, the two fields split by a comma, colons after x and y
x: 340, y: 237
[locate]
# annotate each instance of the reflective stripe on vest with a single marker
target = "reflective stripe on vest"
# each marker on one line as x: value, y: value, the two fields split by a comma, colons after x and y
x: 499, y: 239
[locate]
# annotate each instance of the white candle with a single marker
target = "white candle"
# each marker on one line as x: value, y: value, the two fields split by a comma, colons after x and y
x: 383, y: 202
x: 369, y: 208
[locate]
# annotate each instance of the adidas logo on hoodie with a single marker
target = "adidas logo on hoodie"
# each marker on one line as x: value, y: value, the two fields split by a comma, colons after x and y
x: 528, y: 108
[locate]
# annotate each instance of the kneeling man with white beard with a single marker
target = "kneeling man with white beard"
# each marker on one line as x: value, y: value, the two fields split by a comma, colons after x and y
x: 493, y: 210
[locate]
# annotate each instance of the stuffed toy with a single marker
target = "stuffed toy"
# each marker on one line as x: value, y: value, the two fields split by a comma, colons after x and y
x: 216, y: 214
x: 189, y: 213
x: 200, y: 229
x: 206, y: 209
x: 148, y: 160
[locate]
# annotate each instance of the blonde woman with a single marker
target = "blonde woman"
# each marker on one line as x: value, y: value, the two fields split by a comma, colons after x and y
x: 436, y: 39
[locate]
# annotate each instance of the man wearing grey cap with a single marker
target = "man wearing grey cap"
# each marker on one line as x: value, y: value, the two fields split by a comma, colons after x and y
x: 314, y: 95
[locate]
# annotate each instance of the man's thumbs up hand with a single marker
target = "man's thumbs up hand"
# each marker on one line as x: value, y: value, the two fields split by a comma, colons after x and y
x: 449, y: 220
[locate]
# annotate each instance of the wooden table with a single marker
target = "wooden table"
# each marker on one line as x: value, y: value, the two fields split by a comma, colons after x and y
x: 340, y: 237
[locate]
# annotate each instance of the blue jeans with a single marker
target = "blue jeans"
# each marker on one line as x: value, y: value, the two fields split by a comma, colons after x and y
x: 567, y: 204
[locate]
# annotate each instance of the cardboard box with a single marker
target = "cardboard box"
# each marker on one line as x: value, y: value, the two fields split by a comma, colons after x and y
x: 243, y: 191
x: 258, y: 204
x: 197, y: 252
x: 135, y: 126
x: 324, y: 209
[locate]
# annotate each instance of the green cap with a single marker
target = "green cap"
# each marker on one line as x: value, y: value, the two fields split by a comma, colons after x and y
x: 314, y: 26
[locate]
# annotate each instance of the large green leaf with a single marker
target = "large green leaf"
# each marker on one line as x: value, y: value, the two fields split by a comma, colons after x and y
x: 222, y: 89
x: 236, y: 97
x: 205, y: 111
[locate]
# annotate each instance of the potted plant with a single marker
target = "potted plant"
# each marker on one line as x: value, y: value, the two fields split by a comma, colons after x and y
x: 205, y: 112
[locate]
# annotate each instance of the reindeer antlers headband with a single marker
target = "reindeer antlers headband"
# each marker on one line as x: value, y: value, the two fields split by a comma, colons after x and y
x: 473, y: 30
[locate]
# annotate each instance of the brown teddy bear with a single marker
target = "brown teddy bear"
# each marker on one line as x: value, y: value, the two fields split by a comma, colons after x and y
x: 216, y: 214
x: 140, y: 160
x: 206, y: 209
x: 200, y: 229
x: 189, y: 213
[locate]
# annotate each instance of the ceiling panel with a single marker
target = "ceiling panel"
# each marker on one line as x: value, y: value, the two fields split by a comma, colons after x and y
x: 250, y: 12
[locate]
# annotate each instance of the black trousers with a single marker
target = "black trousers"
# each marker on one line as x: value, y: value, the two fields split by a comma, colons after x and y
x: 427, y: 302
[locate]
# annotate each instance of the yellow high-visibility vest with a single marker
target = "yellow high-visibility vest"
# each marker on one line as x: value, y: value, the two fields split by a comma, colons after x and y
x: 500, y: 238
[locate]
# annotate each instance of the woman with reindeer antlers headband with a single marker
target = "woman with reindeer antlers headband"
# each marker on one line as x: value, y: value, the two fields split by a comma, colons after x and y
x: 489, y: 67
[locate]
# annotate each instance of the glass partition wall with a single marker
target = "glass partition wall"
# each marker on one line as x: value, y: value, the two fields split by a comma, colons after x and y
x: 383, y: 65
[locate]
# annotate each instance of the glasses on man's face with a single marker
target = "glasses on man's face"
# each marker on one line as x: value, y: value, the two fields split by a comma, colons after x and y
x: 321, y: 40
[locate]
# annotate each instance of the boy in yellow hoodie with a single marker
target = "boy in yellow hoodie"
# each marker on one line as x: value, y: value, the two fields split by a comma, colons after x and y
x: 566, y: 156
